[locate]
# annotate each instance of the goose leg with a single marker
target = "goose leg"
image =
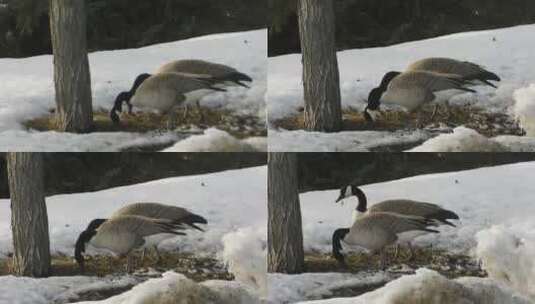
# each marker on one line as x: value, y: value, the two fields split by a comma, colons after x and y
x: 186, y: 112
x: 383, y: 259
x: 396, y: 251
x: 171, y: 121
x: 130, y: 263
x: 435, y: 111
x: 157, y: 253
x: 143, y: 253
x: 447, y: 110
x: 419, y: 121
x: 199, y: 110
x: 411, y: 252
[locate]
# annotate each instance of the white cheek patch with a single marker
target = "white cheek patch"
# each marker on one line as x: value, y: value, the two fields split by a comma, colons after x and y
x: 347, y: 192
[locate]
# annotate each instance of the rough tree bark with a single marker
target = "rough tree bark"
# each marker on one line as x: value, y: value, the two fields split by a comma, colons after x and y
x: 285, y: 232
x: 71, y: 67
x: 320, y: 66
x: 29, y: 220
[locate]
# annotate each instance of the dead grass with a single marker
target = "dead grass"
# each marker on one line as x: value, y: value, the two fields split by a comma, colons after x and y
x: 449, y: 265
x: 238, y: 126
x: 195, y: 268
x: 488, y: 124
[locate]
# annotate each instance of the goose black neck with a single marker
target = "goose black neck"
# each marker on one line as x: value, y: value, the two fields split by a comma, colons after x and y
x: 139, y: 80
x: 338, y: 236
x: 387, y: 79
x: 363, y: 201
x: 79, y: 248
x: 83, y: 239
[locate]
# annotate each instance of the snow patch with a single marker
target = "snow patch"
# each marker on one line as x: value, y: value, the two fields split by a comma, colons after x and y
x: 286, y: 288
x: 347, y: 141
x: 25, y: 290
x: 468, y: 140
x: 508, y: 258
x: 428, y: 286
x: 244, y: 252
x: 215, y: 140
x: 28, y: 89
x: 174, y: 288
x: 215, y: 196
x: 461, y: 140
x: 524, y: 108
x: 472, y: 194
x: 31, y: 141
x: 362, y: 69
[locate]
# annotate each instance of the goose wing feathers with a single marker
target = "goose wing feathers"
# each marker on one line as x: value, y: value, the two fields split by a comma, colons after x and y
x: 177, y: 215
x: 138, y: 226
x: 430, y: 81
x: 447, y: 66
x: 174, y: 81
x: 196, y: 67
x: 410, y: 207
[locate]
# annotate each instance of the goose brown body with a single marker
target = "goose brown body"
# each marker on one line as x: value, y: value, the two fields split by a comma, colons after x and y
x: 414, y: 88
x: 164, y: 92
x: 380, y: 229
x: 124, y: 233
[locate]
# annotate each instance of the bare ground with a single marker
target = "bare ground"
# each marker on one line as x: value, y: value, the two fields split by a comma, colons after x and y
x: 196, y: 268
x: 488, y: 124
x: 240, y: 126
x: 448, y: 264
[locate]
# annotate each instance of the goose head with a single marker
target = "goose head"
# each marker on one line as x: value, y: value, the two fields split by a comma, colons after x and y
x: 125, y: 97
x: 353, y: 190
x: 374, y: 98
x: 83, y: 239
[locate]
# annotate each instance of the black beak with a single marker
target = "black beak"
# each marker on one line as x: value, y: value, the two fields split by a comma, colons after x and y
x: 340, y: 198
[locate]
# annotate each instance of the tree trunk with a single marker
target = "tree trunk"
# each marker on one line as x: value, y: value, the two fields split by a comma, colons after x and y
x: 71, y: 67
x: 285, y: 232
x: 320, y: 67
x: 29, y: 220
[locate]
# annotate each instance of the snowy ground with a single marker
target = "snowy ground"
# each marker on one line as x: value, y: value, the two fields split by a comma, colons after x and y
x: 497, y: 226
x: 28, y: 91
x: 507, y: 53
x: 233, y: 202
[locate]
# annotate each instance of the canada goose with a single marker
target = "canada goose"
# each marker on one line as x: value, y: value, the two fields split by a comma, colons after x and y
x: 122, y: 234
x: 126, y: 229
x: 433, y: 212
x: 412, y: 89
x: 165, y: 92
x: 377, y: 230
x: 219, y: 75
x: 468, y: 70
